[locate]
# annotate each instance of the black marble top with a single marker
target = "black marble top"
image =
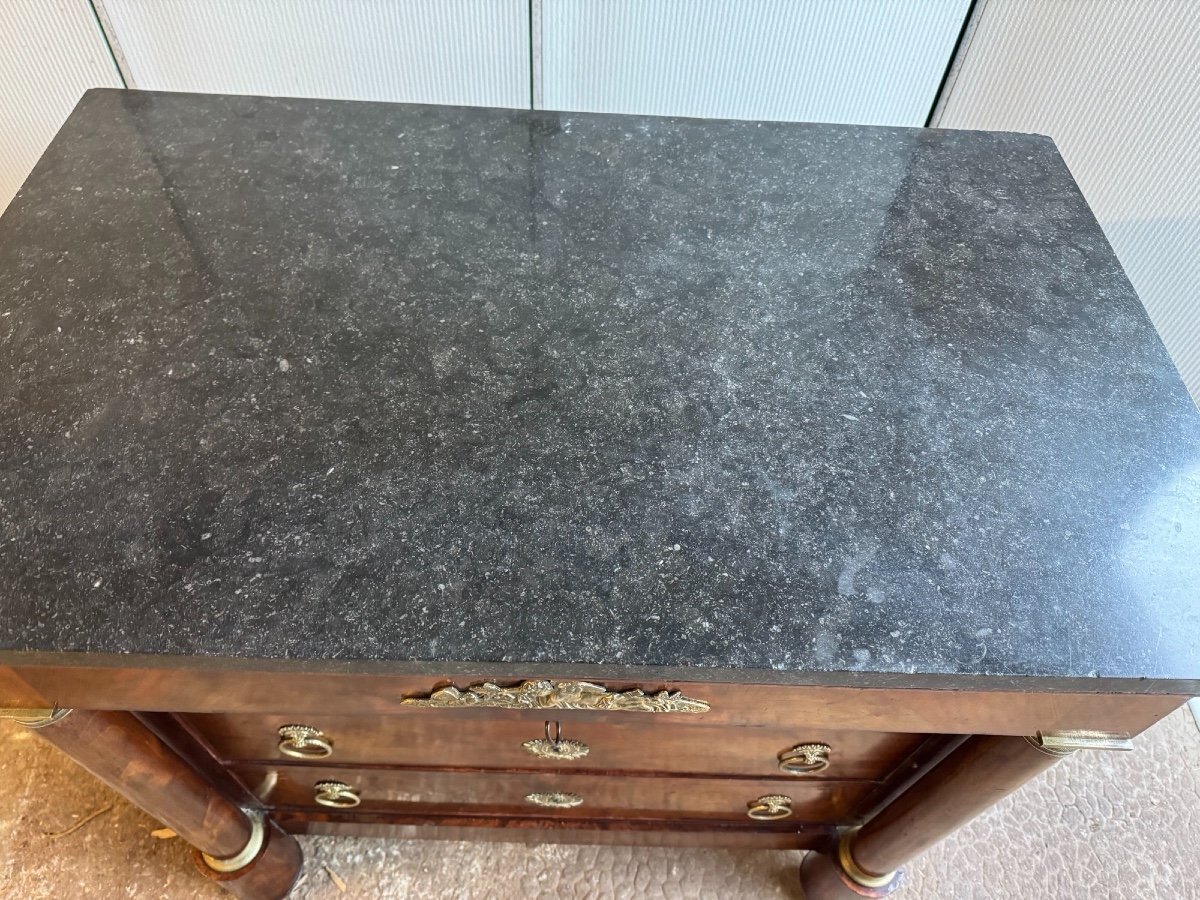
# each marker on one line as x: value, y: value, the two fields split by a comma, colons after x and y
x: 357, y: 381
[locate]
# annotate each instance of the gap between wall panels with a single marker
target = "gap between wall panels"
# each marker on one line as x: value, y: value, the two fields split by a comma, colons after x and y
x: 110, y: 38
x: 961, y: 46
x: 535, y: 54
x: 112, y: 15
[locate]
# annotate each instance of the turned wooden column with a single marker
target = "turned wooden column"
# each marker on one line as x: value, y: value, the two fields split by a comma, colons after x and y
x: 248, y: 854
x: 980, y: 772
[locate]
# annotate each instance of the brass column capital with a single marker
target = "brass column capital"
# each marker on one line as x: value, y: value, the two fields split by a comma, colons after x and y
x: 1064, y: 743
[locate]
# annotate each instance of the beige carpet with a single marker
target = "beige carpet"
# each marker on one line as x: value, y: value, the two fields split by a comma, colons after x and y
x: 1101, y: 825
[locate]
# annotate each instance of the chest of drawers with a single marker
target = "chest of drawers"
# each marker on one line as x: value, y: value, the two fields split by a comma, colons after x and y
x: 723, y: 764
x: 404, y: 471
x: 578, y: 764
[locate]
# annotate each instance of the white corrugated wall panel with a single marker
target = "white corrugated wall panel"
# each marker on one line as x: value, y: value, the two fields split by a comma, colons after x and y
x: 53, y: 52
x: 1117, y: 85
x: 875, y: 62
x: 469, y: 52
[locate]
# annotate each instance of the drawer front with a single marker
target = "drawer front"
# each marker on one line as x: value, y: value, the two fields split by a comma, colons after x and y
x: 434, y: 739
x: 322, y: 688
x: 554, y: 794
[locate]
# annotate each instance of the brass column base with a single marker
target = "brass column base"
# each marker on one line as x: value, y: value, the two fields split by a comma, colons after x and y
x: 243, y: 850
x: 269, y: 875
x: 824, y: 878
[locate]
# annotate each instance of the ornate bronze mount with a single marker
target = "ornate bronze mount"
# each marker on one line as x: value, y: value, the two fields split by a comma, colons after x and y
x: 556, y: 747
x: 559, y: 695
x: 556, y: 800
x: 563, y: 749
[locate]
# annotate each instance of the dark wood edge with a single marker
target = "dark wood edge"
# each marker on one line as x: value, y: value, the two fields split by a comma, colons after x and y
x: 441, y: 817
x: 907, y: 772
x: 512, y: 817
x: 977, y: 774
x: 198, y: 663
x: 543, y: 770
x: 907, y: 710
x: 118, y: 749
x: 663, y: 834
x: 176, y: 734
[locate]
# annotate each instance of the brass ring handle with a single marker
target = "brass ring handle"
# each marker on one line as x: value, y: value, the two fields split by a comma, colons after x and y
x: 337, y: 794
x: 556, y: 800
x: 304, y: 742
x: 805, y: 759
x: 770, y: 807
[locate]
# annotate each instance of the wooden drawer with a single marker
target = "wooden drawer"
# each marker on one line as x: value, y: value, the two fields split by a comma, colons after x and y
x: 515, y: 794
x: 492, y: 741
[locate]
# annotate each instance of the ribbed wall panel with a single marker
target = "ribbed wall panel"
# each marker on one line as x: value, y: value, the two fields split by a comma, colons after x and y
x: 863, y: 61
x: 53, y: 52
x: 468, y: 52
x: 1117, y: 85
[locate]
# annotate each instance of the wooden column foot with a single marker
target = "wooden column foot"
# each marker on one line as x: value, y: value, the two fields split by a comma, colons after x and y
x: 245, y: 852
x: 982, y: 771
x: 269, y: 875
x: 823, y: 878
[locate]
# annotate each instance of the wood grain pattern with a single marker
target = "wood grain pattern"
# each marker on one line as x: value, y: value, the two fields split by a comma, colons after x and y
x: 977, y: 774
x: 980, y: 773
x: 503, y: 794
x: 15, y: 692
x: 931, y: 751
x: 247, y: 689
x: 906, y: 759
x: 173, y: 732
x: 122, y: 752
x: 638, y: 744
x: 641, y: 832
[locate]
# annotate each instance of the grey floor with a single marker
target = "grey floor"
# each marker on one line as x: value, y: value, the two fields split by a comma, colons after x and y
x: 1096, y: 826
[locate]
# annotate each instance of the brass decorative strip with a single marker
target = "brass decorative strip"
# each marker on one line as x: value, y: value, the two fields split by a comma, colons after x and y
x: 35, y: 718
x: 558, y: 695
x: 1068, y: 741
x: 1064, y: 743
x: 1036, y: 744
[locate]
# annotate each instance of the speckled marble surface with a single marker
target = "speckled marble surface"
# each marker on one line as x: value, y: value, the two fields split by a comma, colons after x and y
x: 352, y: 381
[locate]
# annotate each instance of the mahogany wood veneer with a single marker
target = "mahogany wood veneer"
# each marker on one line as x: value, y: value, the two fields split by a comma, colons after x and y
x: 672, y: 777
